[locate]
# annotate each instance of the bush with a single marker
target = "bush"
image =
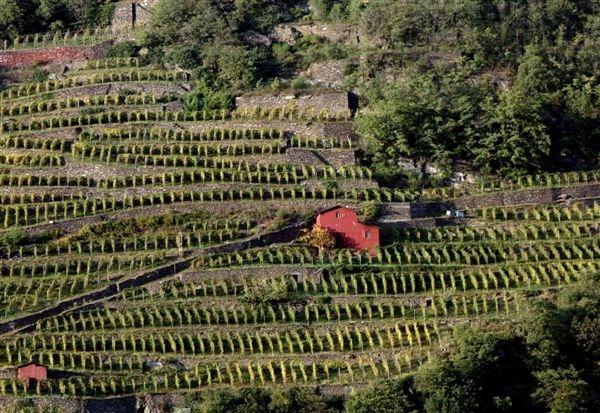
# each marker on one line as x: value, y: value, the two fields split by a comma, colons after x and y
x: 393, y: 397
x: 123, y: 49
x: 370, y: 211
x: 207, y: 97
x: 299, y: 83
x: 318, y: 237
x: 12, y: 238
x: 266, y: 291
x: 39, y: 75
x: 186, y: 57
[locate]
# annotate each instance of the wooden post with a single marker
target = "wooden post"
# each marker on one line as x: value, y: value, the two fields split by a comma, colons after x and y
x: 133, y: 14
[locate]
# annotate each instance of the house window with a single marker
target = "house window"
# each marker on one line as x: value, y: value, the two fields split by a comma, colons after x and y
x: 339, y: 215
x: 367, y: 234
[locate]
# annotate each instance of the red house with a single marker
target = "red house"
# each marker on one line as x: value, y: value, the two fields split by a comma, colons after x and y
x: 31, y: 371
x: 348, y: 230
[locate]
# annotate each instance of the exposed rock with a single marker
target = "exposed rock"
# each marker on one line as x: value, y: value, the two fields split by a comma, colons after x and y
x: 329, y: 73
x: 153, y: 365
x: 255, y: 38
x: 334, y: 32
x: 461, y: 178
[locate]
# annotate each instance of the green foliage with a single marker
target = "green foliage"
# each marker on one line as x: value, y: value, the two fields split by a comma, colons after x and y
x: 567, y: 332
x: 397, y: 396
x: 370, y: 211
x: 488, y: 372
x: 11, y: 18
x: 207, y: 97
x: 336, y: 9
x: 259, y: 400
x: 564, y: 391
x: 36, y: 16
x: 265, y: 291
x: 256, y: 15
x: 516, y: 140
x: 12, y: 238
x: 299, y: 83
x: 39, y: 75
x: 123, y: 49
x: 508, y: 90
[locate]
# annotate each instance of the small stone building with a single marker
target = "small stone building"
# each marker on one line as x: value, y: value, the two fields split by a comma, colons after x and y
x: 348, y: 230
x: 31, y: 372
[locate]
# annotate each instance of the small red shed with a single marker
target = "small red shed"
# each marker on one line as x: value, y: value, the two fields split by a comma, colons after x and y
x: 31, y: 371
x: 349, y: 231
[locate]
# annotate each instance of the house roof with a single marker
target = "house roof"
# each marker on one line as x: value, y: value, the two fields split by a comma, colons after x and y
x: 29, y: 364
x: 335, y: 207
x: 348, y: 208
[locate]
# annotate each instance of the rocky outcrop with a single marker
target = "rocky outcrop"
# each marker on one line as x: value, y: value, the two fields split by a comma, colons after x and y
x: 329, y: 73
x: 334, y: 32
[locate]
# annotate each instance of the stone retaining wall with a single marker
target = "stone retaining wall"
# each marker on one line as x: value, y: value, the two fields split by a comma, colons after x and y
x: 404, y: 211
x: 338, y: 157
x: 529, y: 196
x: 340, y: 130
x: 334, y: 32
x: 132, y: 13
x: 158, y: 89
x: 318, y: 100
x: 52, y: 55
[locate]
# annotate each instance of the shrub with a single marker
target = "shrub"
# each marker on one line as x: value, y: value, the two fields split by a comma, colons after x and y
x: 186, y: 57
x: 123, y: 49
x: 266, y: 291
x: 205, y: 97
x: 394, y: 397
x: 39, y: 75
x: 299, y: 83
x: 370, y: 211
x: 12, y: 238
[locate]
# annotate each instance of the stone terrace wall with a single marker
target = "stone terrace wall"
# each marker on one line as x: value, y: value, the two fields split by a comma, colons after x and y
x: 319, y: 100
x: 529, y: 196
x: 123, y: 15
x: 55, y: 55
x: 334, y: 32
x: 338, y: 157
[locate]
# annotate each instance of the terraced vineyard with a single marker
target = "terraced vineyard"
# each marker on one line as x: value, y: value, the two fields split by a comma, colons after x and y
x: 108, y: 183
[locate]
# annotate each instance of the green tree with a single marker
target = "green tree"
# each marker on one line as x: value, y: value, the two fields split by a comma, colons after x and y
x: 563, y: 391
x: 11, y: 19
x: 516, y: 141
x: 396, y: 396
x: 488, y: 372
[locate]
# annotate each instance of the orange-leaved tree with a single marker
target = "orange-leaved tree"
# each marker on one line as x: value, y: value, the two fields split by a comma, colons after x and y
x: 318, y: 237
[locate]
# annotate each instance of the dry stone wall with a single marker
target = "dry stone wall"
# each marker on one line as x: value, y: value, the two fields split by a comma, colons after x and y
x: 334, y: 32
x: 338, y: 157
x: 334, y: 101
x: 52, y: 55
x: 158, y: 89
x: 529, y: 197
x: 132, y: 13
x: 329, y: 73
